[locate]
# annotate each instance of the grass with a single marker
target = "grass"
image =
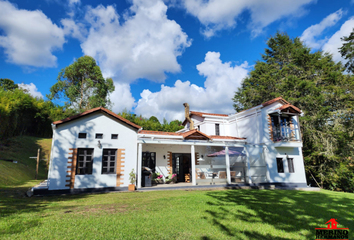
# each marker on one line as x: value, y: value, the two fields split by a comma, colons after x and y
x: 20, y: 149
x: 225, y: 214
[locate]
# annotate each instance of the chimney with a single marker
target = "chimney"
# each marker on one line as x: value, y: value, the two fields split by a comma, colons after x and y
x: 186, y: 113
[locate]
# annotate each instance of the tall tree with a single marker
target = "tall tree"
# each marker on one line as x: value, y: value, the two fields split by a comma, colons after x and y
x: 316, y: 84
x: 7, y: 84
x: 82, y: 85
x: 347, y: 51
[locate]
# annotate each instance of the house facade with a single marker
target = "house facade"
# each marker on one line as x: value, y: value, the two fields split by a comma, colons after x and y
x: 261, y: 145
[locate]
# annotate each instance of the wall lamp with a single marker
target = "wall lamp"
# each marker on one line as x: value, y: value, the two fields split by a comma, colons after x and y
x: 99, y: 144
x: 164, y: 156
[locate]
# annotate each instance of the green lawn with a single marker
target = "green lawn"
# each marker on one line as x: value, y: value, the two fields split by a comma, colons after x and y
x: 20, y: 149
x: 226, y: 214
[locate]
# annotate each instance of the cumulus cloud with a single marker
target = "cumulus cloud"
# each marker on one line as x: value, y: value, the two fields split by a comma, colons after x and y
x: 216, y: 15
x: 29, y: 36
x: 143, y: 43
x: 32, y: 89
x: 334, y: 42
x: 122, y: 98
x: 73, y: 29
x: 311, y: 33
x: 222, y: 80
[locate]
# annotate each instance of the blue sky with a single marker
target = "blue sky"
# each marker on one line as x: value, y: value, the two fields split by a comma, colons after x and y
x: 160, y: 53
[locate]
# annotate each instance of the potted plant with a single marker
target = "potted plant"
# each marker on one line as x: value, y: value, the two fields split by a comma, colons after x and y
x: 132, y: 179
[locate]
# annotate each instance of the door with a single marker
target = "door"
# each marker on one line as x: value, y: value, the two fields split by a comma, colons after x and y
x: 181, y: 165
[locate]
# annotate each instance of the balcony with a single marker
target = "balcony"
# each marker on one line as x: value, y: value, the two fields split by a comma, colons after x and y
x: 285, y: 133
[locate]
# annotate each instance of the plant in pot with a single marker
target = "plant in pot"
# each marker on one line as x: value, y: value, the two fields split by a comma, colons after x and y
x: 132, y: 179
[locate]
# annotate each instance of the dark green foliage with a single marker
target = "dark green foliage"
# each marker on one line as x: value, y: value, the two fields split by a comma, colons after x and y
x: 152, y: 123
x: 22, y: 114
x: 347, y: 51
x: 82, y: 85
x: 7, y: 84
x: 316, y: 84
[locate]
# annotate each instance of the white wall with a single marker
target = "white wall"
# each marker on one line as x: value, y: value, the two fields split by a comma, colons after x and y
x: 65, y: 136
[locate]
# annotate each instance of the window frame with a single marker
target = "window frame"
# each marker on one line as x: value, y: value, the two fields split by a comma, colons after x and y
x: 291, y: 163
x: 280, y: 163
x: 114, y: 135
x: 217, y: 129
x: 81, y: 135
x: 85, y: 161
x: 109, y: 155
x: 96, y: 136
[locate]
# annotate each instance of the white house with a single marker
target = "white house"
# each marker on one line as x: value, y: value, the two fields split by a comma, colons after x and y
x: 98, y: 149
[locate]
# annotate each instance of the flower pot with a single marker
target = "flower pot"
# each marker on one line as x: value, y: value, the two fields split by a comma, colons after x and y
x: 131, y: 187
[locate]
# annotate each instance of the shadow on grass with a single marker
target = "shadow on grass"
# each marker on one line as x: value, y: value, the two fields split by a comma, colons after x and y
x: 292, y: 212
x: 21, y: 213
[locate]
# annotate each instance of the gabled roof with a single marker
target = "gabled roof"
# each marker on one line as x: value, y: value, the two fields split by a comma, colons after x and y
x: 98, y: 109
x: 291, y: 108
x: 278, y: 99
x: 200, y: 114
x: 195, y: 135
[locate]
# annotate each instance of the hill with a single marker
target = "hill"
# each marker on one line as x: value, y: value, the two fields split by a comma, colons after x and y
x: 20, y: 149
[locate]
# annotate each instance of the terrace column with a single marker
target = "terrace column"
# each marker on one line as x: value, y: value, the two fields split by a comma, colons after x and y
x: 140, y: 154
x: 249, y: 180
x: 194, y: 179
x: 227, y: 158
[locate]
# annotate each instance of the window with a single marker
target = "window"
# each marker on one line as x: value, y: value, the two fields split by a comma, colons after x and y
x: 82, y: 135
x: 114, y: 136
x: 198, y: 128
x: 99, y: 135
x: 217, y: 129
x: 149, y: 160
x: 84, y: 161
x: 109, y: 161
x: 280, y: 165
x: 291, y: 165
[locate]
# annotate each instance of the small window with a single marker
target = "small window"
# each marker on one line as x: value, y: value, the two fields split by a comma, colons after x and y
x: 198, y: 128
x: 109, y: 161
x: 99, y: 135
x: 84, y: 161
x: 291, y: 165
x: 82, y: 135
x: 280, y: 165
x: 217, y: 129
x: 114, y: 136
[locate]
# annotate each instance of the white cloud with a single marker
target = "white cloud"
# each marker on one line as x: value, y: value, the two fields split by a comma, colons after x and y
x: 216, y: 15
x: 32, y: 89
x: 334, y: 42
x: 73, y: 2
x: 76, y: 30
x: 144, y: 44
x: 309, y: 35
x: 122, y: 98
x: 222, y: 81
x: 29, y: 36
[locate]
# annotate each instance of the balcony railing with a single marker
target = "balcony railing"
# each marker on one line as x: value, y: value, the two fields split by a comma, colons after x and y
x: 285, y: 134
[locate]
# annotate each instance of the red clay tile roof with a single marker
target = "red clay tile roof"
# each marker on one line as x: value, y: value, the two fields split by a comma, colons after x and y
x: 226, y: 137
x: 98, y: 109
x: 280, y: 99
x: 194, y: 134
x: 158, y: 133
x: 289, y: 106
x: 200, y: 114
